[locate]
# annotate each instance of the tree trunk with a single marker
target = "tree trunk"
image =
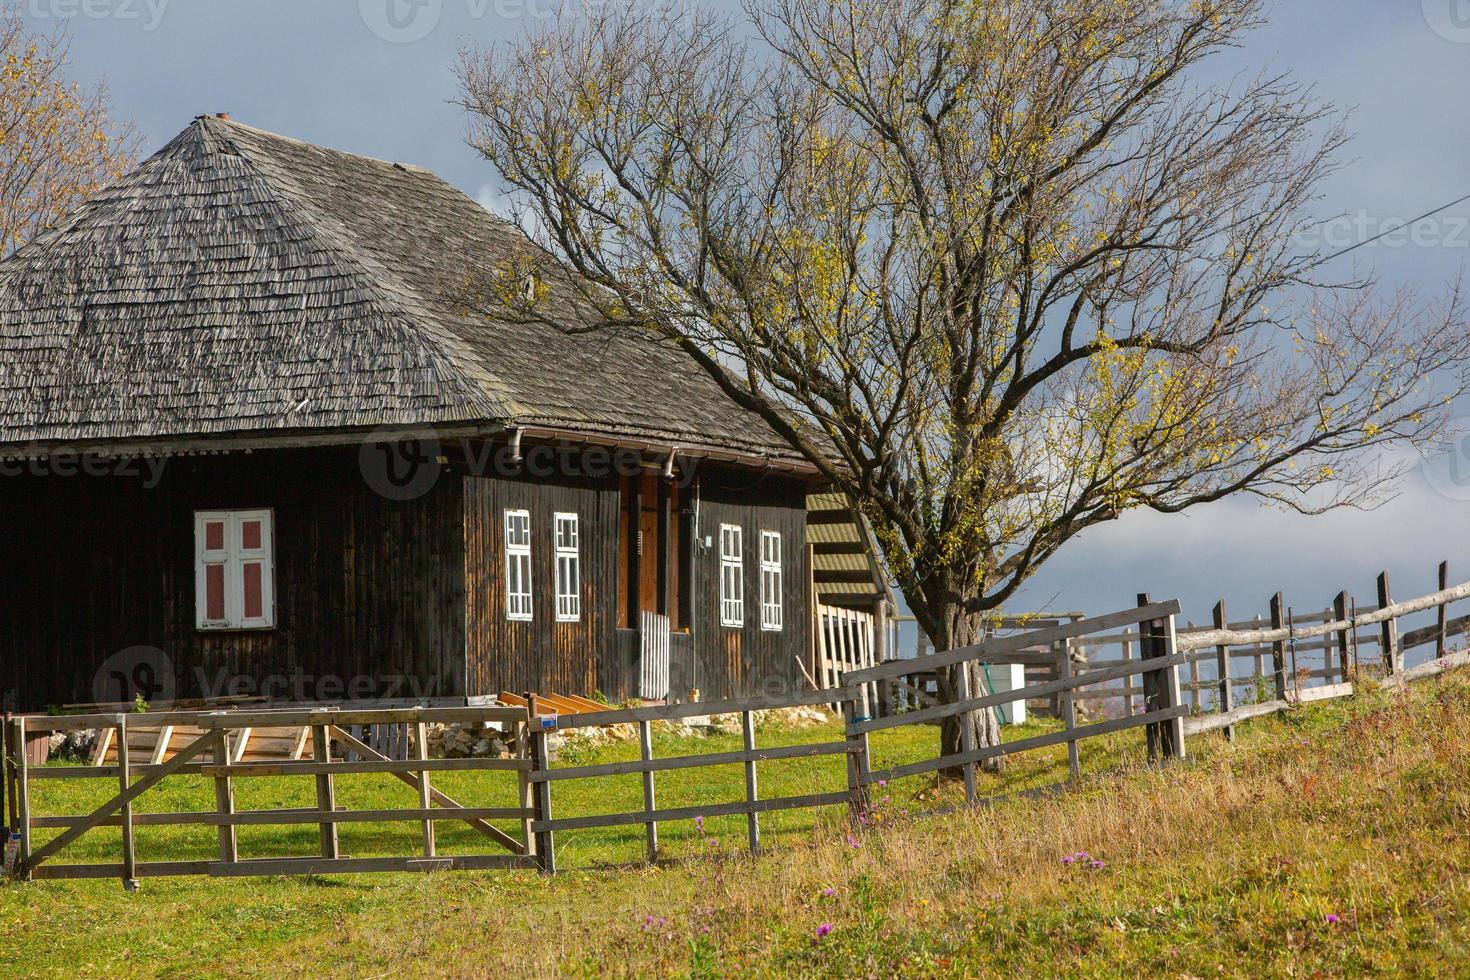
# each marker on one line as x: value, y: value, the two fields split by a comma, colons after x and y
x: 964, y: 630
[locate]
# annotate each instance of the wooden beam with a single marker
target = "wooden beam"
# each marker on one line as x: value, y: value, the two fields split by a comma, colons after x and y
x: 828, y: 518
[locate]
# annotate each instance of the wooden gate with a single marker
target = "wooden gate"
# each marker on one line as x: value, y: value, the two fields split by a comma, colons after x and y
x: 208, y: 751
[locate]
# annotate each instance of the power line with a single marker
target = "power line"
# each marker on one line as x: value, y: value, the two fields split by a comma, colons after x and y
x: 1384, y: 234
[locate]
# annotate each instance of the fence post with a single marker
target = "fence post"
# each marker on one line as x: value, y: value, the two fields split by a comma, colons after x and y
x: 124, y: 779
x: 1340, y: 613
x: 22, y: 796
x: 753, y: 819
x: 1194, y: 683
x: 645, y: 744
x: 426, y: 796
x: 1069, y: 716
x: 1128, y: 682
x: 545, y: 839
x: 1222, y: 662
x: 524, y: 788
x: 1390, y: 628
x: 6, y: 795
x: 1278, y: 648
x: 326, y: 791
x: 857, y: 753
x: 1443, y: 644
x: 1173, y: 729
x: 1150, y: 682
x: 224, y: 802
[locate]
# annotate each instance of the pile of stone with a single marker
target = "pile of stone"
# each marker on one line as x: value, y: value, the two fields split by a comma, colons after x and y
x: 459, y: 742
x: 73, y: 746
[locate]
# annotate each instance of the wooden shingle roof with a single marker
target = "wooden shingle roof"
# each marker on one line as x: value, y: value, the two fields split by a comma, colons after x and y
x: 240, y: 282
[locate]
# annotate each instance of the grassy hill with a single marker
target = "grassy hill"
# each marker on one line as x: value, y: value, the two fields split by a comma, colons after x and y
x: 1335, y: 840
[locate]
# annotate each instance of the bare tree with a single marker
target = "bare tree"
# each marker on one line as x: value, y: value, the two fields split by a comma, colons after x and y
x: 58, y: 144
x: 1002, y: 269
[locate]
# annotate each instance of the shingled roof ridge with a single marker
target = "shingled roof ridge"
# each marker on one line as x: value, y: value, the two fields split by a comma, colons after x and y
x: 487, y: 395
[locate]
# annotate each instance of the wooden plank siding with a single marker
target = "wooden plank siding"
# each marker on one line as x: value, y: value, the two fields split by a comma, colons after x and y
x: 749, y: 661
x: 365, y: 586
x: 410, y: 594
x: 540, y: 655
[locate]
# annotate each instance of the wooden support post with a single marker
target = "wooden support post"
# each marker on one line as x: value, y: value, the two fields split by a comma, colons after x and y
x: 1222, y: 665
x: 224, y: 801
x: 124, y: 778
x: 1344, y: 652
x: 7, y: 817
x: 1069, y: 715
x: 967, y: 732
x: 1194, y: 683
x: 524, y: 794
x: 1442, y: 645
x: 1278, y: 649
x: 753, y: 819
x: 1353, y: 619
x: 326, y: 791
x: 426, y: 798
x: 22, y: 796
x: 1151, y: 683
x: 1131, y: 681
x: 665, y: 545
x: 650, y: 800
x: 1172, y: 730
x: 540, y: 762
x: 857, y: 761
x: 1296, y: 674
x: 1389, y: 635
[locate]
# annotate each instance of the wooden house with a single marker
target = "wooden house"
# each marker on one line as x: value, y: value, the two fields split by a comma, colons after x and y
x: 252, y: 443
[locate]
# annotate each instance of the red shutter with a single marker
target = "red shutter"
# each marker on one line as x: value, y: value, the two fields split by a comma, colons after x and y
x: 254, y: 594
x: 214, y: 592
x: 214, y: 536
x: 250, y: 535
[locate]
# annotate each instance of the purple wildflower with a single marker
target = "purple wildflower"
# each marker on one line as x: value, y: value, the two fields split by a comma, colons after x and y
x: 1097, y: 865
x: 828, y: 892
x: 882, y: 783
x: 699, y: 823
x: 1332, y: 919
x: 1068, y: 859
x: 824, y: 930
x: 852, y: 841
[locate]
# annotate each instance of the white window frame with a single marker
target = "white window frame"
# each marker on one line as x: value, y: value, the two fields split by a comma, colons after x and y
x: 773, y: 613
x: 233, y: 558
x: 567, y: 539
x: 519, y: 596
x: 732, y: 576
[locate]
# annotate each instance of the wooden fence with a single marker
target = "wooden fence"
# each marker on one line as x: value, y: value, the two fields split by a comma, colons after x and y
x: 1286, y: 654
x: 208, y: 751
x: 1163, y: 712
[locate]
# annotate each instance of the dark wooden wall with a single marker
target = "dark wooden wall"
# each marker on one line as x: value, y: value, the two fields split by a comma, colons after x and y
x: 739, y: 662
x: 367, y: 589
x: 542, y: 655
x: 397, y: 598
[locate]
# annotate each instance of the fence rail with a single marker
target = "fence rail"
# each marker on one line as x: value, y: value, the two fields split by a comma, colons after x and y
x: 1168, y: 713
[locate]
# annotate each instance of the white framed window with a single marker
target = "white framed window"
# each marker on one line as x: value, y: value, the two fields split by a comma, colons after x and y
x: 772, y: 611
x: 568, y: 569
x: 732, y: 576
x: 234, y: 570
x: 518, y: 565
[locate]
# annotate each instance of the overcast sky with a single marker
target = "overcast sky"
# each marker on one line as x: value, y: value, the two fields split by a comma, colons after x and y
x: 376, y: 77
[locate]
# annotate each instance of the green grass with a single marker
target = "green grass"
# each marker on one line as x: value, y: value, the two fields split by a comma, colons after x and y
x: 1230, y: 864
